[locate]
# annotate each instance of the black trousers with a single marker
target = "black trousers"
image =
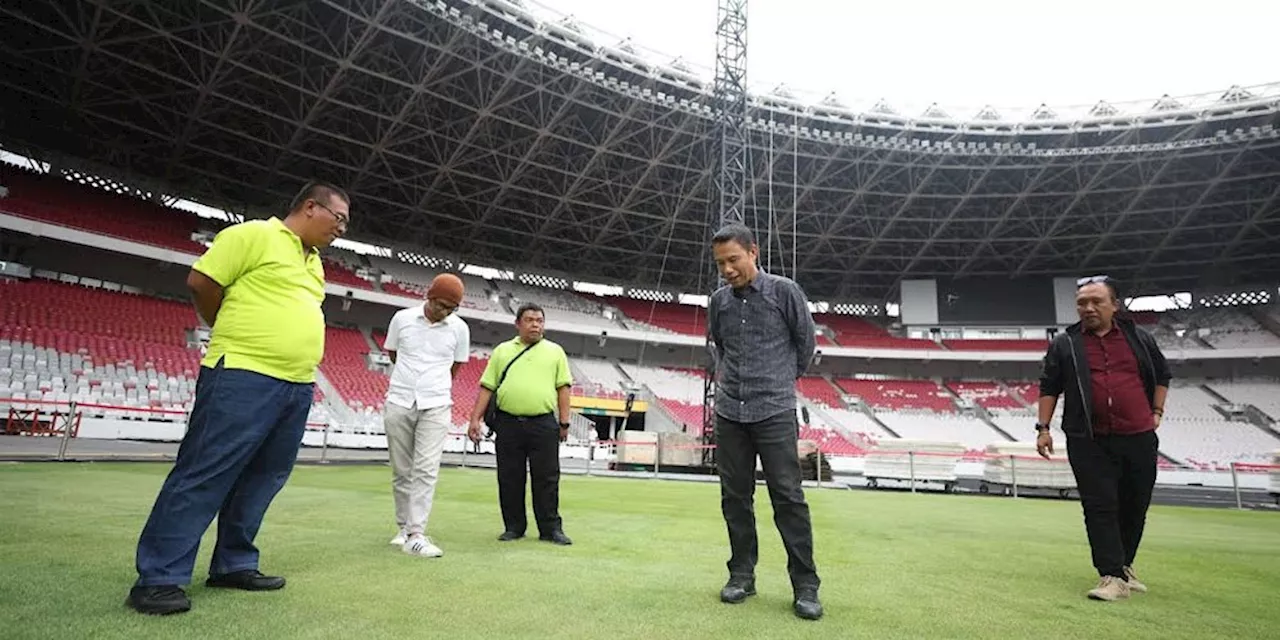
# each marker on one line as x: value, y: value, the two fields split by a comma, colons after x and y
x: 1115, y: 475
x: 528, y: 443
x: 774, y: 441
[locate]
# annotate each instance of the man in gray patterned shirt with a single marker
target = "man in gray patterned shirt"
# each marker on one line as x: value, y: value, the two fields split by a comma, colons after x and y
x: 764, y: 339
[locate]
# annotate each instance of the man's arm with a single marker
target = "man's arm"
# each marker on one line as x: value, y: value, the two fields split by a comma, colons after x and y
x: 482, y: 403
x: 1050, y: 378
x: 462, y: 349
x: 1047, y: 405
x: 1050, y: 389
x: 802, y: 328
x: 230, y: 256
x: 391, y: 343
x: 207, y: 295
x: 562, y: 402
x: 1158, y: 403
x: 713, y: 349
x: 1050, y: 384
x: 1163, y: 374
x: 564, y: 380
x: 711, y: 318
x: 488, y: 382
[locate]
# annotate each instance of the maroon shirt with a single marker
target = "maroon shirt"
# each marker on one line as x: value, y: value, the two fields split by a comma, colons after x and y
x: 1120, y: 404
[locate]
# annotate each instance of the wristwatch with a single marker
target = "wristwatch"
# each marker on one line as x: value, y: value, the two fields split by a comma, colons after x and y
x: 1041, y: 427
x: 564, y: 425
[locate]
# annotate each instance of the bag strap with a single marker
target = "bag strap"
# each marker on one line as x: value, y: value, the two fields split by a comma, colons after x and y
x: 508, y: 367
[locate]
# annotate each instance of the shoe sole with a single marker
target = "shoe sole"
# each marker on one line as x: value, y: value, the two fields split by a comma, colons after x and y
x: 167, y: 611
x: 1101, y: 598
x: 161, y: 612
x: 438, y: 554
x: 217, y: 585
x: 739, y: 600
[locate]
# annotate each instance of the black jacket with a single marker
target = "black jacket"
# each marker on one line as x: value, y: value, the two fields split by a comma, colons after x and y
x: 1066, y: 371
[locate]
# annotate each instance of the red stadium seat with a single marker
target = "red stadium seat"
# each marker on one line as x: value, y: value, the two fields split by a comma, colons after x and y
x: 59, y: 201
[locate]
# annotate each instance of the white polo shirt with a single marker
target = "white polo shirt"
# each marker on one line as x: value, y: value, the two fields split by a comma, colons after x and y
x: 425, y: 352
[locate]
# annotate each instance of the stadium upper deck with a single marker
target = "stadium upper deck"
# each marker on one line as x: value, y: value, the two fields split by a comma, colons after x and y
x: 472, y: 130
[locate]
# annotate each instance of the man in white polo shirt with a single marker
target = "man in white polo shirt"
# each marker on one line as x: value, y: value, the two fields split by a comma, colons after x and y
x: 427, y: 345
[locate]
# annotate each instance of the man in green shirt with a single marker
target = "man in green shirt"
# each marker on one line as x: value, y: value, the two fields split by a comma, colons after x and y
x: 260, y: 287
x: 530, y: 376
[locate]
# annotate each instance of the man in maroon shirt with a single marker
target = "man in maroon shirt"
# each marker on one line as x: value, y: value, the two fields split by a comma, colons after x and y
x: 1115, y: 380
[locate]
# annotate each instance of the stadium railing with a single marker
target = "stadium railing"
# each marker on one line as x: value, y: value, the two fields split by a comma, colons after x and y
x: 63, y: 420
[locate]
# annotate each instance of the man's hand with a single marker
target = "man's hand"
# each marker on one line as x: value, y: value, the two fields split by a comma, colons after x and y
x: 564, y: 433
x: 1044, y: 444
x: 473, y: 430
x: 1155, y: 419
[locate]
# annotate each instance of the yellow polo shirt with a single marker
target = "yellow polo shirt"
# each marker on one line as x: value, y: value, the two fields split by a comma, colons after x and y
x: 530, y: 388
x: 270, y: 321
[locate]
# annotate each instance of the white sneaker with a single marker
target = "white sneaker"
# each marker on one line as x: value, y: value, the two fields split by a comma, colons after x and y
x: 400, y: 538
x: 1134, y: 584
x: 1110, y: 588
x: 422, y: 546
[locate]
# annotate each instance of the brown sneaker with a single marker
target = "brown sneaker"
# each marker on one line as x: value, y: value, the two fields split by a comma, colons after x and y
x: 1110, y: 588
x: 1132, y: 579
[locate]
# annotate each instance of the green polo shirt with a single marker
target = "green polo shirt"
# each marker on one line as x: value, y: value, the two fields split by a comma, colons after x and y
x: 530, y: 388
x: 270, y: 321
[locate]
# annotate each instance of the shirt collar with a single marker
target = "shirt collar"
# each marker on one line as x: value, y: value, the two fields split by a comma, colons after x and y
x: 762, y: 280
x: 421, y: 316
x: 278, y: 225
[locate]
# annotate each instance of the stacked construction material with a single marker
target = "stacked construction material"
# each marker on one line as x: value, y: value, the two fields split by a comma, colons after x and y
x: 923, y: 460
x: 1274, y: 490
x: 1019, y: 459
x: 637, y: 447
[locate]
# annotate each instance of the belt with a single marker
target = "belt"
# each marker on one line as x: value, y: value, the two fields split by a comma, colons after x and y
x: 512, y: 416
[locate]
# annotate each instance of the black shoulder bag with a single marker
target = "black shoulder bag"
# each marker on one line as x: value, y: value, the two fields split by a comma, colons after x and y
x: 491, y: 411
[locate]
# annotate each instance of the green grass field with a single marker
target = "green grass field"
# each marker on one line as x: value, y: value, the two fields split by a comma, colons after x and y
x: 647, y: 562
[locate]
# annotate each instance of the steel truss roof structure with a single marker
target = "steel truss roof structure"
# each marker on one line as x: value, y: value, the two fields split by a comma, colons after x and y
x: 470, y: 130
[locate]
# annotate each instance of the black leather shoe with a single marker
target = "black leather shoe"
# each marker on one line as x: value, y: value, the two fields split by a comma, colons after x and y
x: 508, y: 536
x: 247, y: 580
x: 737, y: 590
x: 558, y: 537
x: 807, y: 605
x: 159, y: 600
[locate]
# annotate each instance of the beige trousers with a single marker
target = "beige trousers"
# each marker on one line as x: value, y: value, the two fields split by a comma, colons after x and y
x: 415, y: 444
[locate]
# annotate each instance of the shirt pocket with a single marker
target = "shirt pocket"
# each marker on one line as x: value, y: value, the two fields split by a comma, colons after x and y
x: 771, y: 321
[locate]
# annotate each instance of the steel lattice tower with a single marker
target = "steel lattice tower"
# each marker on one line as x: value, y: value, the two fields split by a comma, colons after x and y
x: 731, y: 158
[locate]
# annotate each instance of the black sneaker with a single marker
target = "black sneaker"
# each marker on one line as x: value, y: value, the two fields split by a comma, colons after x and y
x: 738, y: 589
x: 247, y: 580
x: 806, y: 604
x: 556, y: 537
x: 159, y: 600
x: 508, y: 536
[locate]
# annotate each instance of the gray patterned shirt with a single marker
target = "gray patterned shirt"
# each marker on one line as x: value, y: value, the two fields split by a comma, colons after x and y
x: 764, y: 337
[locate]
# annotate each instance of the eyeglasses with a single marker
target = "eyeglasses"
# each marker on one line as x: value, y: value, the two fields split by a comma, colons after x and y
x: 342, y: 219
x: 1093, y: 280
x: 442, y: 306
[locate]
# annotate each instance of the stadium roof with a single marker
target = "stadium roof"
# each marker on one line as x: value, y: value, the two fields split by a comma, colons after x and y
x: 474, y: 132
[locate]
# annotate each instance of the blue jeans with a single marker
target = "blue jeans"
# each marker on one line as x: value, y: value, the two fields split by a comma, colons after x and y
x: 241, y: 443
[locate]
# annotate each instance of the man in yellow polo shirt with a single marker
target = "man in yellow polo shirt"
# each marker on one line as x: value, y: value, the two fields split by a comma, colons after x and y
x: 260, y: 287
x: 531, y: 378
